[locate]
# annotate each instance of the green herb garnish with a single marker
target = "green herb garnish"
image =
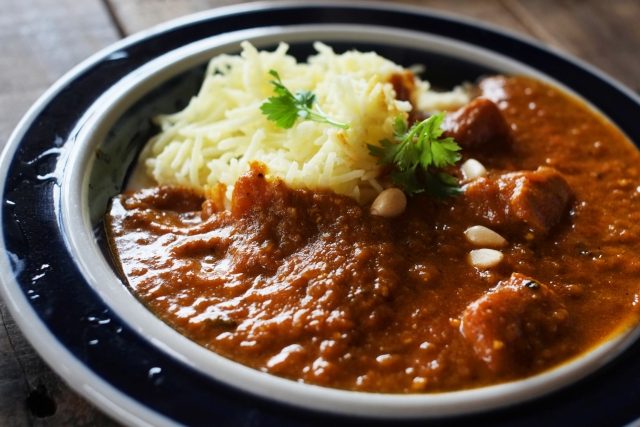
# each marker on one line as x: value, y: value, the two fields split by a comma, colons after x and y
x: 285, y: 108
x: 419, y: 150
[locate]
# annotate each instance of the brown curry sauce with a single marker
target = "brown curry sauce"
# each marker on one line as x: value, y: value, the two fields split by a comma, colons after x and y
x: 308, y: 285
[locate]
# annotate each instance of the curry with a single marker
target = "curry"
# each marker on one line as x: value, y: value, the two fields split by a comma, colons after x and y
x: 310, y: 286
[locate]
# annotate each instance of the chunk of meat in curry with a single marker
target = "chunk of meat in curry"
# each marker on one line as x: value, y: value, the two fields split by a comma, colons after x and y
x: 513, y: 325
x: 479, y: 126
x: 526, y: 200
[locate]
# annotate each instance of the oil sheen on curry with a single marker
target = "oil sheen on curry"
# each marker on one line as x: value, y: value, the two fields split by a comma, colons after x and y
x: 310, y: 286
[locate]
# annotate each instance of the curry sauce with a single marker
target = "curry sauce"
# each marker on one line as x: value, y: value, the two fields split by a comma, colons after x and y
x: 310, y: 286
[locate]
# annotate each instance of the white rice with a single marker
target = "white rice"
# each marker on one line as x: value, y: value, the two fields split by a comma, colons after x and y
x: 223, y: 129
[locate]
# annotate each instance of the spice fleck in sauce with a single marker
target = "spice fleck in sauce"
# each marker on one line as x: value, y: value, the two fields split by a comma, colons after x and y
x: 310, y: 286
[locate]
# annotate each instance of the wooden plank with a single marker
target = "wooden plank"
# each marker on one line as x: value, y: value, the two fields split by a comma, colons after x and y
x: 134, y: 16
x: 41, y: 40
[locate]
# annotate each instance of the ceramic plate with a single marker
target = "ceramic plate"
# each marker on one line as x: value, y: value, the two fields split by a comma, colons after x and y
x: 72, y: 151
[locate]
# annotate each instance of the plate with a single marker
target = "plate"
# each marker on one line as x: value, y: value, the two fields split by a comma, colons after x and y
x: 117, y: 361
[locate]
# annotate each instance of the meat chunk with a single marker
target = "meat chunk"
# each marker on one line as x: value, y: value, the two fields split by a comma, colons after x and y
x: 478, y: 126
x: 533, y: 200
x: 515, y: 324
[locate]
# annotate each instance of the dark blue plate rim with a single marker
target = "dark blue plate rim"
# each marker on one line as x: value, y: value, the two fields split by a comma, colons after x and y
x: 116, y: 368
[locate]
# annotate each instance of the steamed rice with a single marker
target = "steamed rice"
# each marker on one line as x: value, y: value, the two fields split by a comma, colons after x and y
x: 222, y: 129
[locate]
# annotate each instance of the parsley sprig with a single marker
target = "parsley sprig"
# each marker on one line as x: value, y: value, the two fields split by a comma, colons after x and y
x: 419, y: 150
x: 285, y: 108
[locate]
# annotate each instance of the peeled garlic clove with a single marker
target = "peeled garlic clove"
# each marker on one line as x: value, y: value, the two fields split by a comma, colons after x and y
x: 485, y: 258
x: 472, y: 169
x: 483, y: 236
x: 389, y: 203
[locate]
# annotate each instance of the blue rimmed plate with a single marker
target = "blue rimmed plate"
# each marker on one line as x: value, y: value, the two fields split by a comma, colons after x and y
x: 73, y: 150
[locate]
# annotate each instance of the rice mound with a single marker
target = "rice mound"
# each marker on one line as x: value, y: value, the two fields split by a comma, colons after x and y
x: 222, y: 130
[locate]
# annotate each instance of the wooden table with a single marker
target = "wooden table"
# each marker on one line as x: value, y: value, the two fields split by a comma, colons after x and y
x: 42, y: 39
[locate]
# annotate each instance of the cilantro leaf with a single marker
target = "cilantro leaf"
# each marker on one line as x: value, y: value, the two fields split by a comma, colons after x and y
x: 419, y: 150
x: 442, y: 185
x: 387, y: 152
x: 280, y: 110
x: 305, y: 98
x: 285, y: 108
x: 399, y: 129
x: 409, y: 180
x: 445, y: 152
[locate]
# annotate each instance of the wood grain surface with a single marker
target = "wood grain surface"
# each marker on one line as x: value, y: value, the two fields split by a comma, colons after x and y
x: 40, y: 40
